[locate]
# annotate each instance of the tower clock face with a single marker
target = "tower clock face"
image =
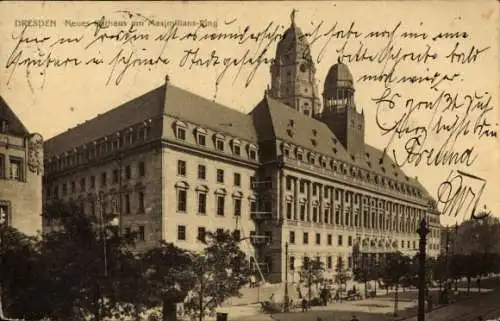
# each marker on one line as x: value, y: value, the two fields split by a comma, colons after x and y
x: 303, y: 67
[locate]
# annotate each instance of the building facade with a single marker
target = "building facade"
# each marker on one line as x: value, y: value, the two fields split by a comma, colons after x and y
x: 174, y: 165
x: 21, y: 166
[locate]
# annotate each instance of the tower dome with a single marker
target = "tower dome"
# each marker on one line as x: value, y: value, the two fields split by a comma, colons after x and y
x: 338, y: 76
x: 293, y: 44
x: 293, y: 74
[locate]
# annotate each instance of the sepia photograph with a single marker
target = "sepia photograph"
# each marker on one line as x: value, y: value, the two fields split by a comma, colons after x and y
x: 249, y: 161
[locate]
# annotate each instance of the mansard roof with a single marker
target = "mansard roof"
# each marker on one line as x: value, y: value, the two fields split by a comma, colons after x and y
x: 128, y: 114
x: 174, y: 101
x: 15, y: 126
x: 291, y: 126
x: 184, y: 105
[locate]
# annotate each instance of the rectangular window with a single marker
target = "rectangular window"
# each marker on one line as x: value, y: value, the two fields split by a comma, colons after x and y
x: 181, y: 168
x: 237, y: 150
x: 306, y: 238
x: 329, y: 262
x: 141, y: 202
x: 349, y: 240
x: 181, y: 133
x: 403, y: 244
x: 181, y: 232
x: 103, y: 179
x: 115, y: 176
x: 237, y: 207
x: 202, y: 172
x: 349, y: 262
x: 237, y: 179
x: 181, y: 200
x: 302, y: 186
x: 252, y: 182
x: 202, y: 140
x: 142, y: 233
x: 220, y: 205
x: 292, y: 263
x: 128, y: 172
x: 340, y: 240
x: 82, y: 184
x: 253, y: 154
x: 292, y: 237
x: 289, y: 211
x: 202, y: 232
x: 127, y: 203
x: 329, y: 239
x: 315, y: 190
x: 220, y: 176
x: 2, y: 166
x: 142, y: 169
x: 318, y: 239
x: 92, y: 181
x: 302, y: 212
x: 202, y: 203
x: 326, y: 192
x: 219, y: 145
x: 315, y: 214
x: 16, y: 168
x: 288, y: 183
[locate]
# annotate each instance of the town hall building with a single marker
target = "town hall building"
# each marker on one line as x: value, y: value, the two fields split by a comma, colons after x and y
x: 295, y: 170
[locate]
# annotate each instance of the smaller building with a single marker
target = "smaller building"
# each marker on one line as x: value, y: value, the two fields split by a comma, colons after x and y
x: 21, y: 166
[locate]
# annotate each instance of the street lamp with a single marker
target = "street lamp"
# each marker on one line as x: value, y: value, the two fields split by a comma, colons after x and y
x: 422, y: 232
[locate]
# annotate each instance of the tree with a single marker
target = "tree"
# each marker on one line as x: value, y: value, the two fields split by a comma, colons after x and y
x: 81, y: 259
x: 20, y: 277
x: 169, y: 275
x: 396, y: 268
x: 312, y: 273
x: 219, y: 273
x: 341, y: 276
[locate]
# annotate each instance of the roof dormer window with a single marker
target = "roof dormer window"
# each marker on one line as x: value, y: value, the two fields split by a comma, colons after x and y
x: 219, y: 142
x: 180, y: 130
x: 201, y: 136
x: 236, y: 144
x: 252, y: 152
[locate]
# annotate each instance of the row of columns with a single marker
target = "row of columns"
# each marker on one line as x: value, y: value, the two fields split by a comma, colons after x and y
x: 367, y: 216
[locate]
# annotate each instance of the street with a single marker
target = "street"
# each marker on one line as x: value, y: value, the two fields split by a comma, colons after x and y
x: 485, y: 304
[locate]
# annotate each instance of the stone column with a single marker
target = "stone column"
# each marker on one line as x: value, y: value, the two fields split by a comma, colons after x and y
x: 309, y: 202
x: 295, y: 198
x: 332, y: 203
x: 320, y: 208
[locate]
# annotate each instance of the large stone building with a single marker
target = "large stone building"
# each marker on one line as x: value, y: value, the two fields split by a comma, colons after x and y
x: 21, y: 166
x: 174, y: 165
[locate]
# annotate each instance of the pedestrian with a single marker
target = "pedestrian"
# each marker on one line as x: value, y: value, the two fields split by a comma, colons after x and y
x: 304, y: 305
x: 354, y: 318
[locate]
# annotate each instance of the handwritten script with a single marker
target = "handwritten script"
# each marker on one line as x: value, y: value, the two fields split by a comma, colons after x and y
x: 439, y: 125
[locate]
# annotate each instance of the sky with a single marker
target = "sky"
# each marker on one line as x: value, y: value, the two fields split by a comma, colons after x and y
x: 53, y: 99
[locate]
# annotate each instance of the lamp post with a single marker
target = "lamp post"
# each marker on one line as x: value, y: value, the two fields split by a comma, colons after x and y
x: 105, y: 222
x: 422, y: 232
